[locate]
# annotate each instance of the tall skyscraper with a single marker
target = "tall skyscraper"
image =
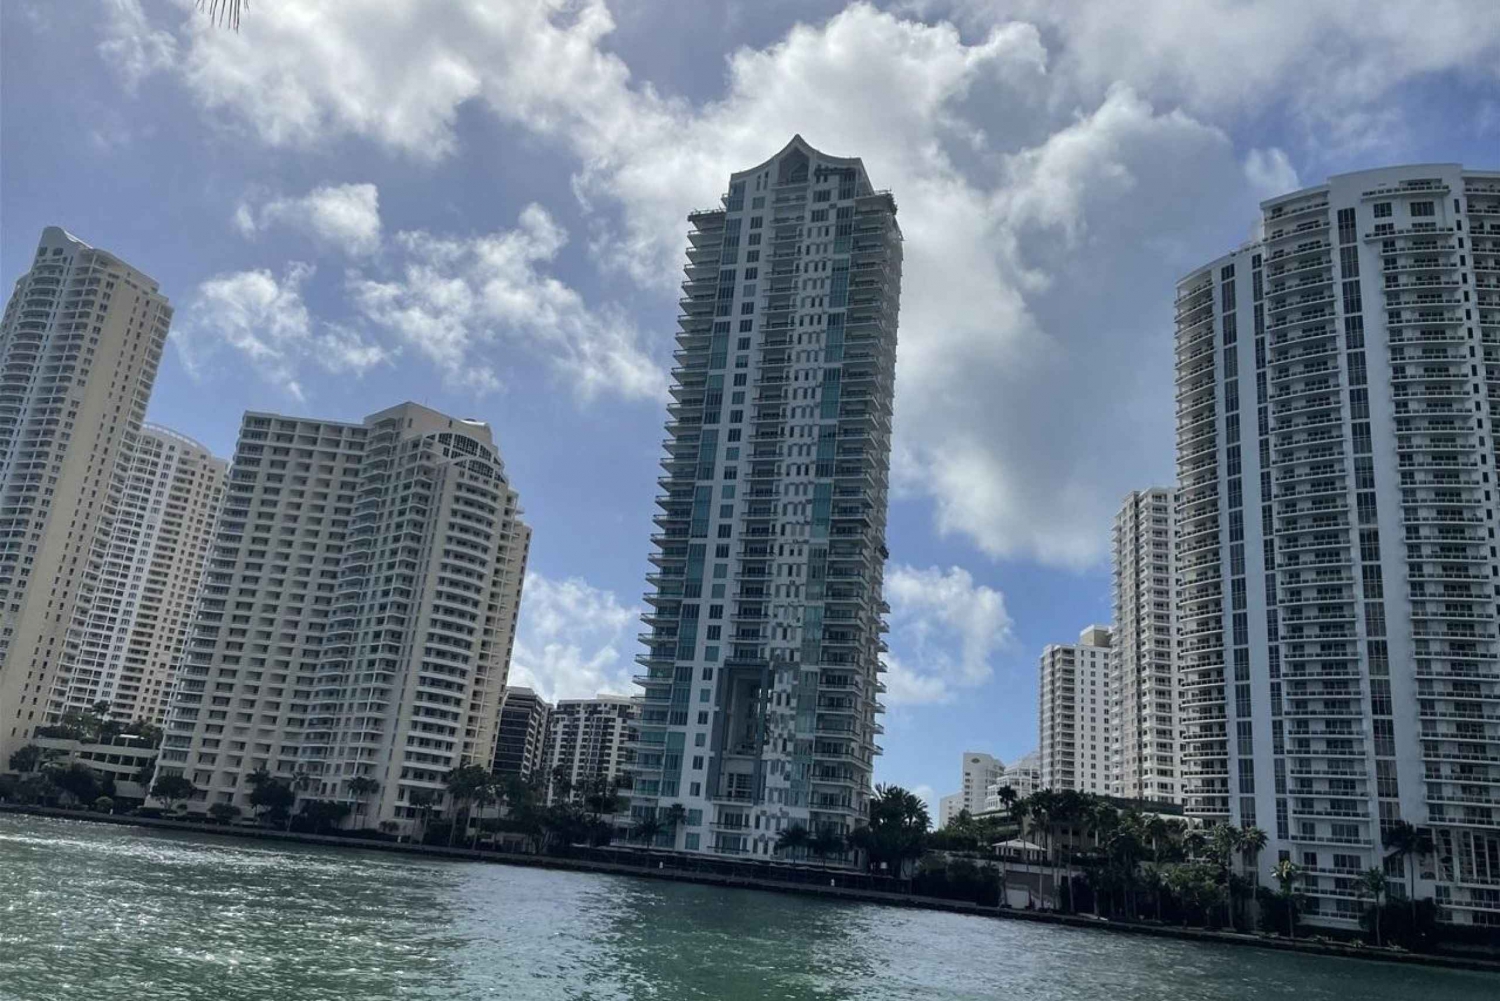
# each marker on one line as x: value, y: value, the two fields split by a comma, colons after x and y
x: 1073, y: 713
x: 1337, y: 404
x: 589, y: 739
x: 80, y: 342
x: 358, y: 613
x: 135, y: 633
x: 521, y: 736
x: 763, y: 662
x: 1143, y: 682
x: 978, y: 772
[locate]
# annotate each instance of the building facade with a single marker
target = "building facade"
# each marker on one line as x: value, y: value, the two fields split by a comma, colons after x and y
x: 1023, y: 777
x: 762, y: 670
x: 521, y: 735
x: 1074, y: 713
x: 1143, y: 680
x: 589, y: 739
x: 979, y: 772
x: 80, y: 341
x: 1338, y: 385
x: 358, y: 612
x: 135, y: 632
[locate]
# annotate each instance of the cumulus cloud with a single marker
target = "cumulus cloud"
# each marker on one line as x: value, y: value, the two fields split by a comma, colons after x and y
x: 454, y: 297
x: 573, y: 640
x: 944, y: 630
x: 261, y: 317
x: 344, y: 216
x: 1270, y: 172
x: 132, y: 46
x: 1050, y: 161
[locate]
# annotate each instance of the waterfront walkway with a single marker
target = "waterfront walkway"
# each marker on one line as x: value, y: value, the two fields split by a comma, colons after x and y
x: 828, y: 883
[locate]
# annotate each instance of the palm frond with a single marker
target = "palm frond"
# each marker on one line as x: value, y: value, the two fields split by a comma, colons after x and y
x: 224, y: 12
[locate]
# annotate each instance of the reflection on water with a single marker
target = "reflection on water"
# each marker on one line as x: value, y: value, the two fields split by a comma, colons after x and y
x: 89, y: 911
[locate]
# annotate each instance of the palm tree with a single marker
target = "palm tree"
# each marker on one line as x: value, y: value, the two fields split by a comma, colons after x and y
x: 1407, y: 843
x: 422, y: 800
x: 1225, y: 842
x: 827, y: 841
x: 465, y: 783
x: 646, y: 829
x: 674, y: 817
x: 223, y: 11
x: 793, y: 839
x: 362, y: 786
x: 1287, y: 873
x: 1373, y: 882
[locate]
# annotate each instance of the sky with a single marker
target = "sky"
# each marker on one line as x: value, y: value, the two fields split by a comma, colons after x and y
x: 481, y: 206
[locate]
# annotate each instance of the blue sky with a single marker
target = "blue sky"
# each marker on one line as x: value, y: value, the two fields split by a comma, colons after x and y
x: 481, y: 206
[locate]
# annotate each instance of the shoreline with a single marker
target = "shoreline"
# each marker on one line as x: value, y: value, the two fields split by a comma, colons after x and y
x: 848, y: 894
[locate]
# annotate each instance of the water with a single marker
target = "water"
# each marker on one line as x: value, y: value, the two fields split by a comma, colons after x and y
x: 90, y: 911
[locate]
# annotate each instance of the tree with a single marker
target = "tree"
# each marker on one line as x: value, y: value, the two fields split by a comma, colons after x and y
x: 646, y: 829
x: 464, y: 784
x: 223, y: 812
x: 674, y: 817
x: 222, y: 12
x: 145, y: 773
x: 103, y: 804
x: 26, y: 759
x: 361, y: 787
x: 1408, y: 843
x: 76, y: 780
x: 422, y: 801
x: 321, y: 814
x: 1288, y: 873
x: 1373, y: 883
x: 173, y: 789
x: 896, y: 831
x: 270, y: 797
x: 827, y: 841
x: 796, y: 838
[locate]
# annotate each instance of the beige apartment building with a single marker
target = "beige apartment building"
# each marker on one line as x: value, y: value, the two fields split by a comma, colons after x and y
x: 358, y: 613
x: 136, y: 629
x: 80, y: 342
x: 1073, y: 713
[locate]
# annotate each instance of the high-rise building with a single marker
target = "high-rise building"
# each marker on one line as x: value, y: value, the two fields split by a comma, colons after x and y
x: 1074, y: 713
x: 1143, y: 682
x: 521, y: 743
x: 135, y: 633
x: 589, y: 739
x: 80, y: 342
x: 1338, y: 394
x: 763, y: 663
x: 358, y: 612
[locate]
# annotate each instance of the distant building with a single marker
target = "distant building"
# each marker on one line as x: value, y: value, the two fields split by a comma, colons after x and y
x: 1074, y: 713
x: 1143, y: 681
x: 587, y: 738
x: 979, y: 770
x: 1023, y: 776
x: 521, y: 737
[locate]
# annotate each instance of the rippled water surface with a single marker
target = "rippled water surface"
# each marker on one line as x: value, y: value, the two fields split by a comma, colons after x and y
x: 90, y: 911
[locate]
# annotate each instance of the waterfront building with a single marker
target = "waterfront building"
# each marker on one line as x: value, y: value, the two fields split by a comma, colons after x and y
x: 357, y: 616
x: 1143, y: 683
x: 589, y: 739
x: 80, y: 342
x: 762, y: 670
x: 1338, y: 385
x: 979, y: 772
x: 1023, y: 776
x: 1073, y: 713
x: 521, y: 735
x: 135, y: 632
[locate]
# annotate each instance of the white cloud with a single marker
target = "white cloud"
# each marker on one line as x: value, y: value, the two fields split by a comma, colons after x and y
x: 131, y: 46
x: 262, y: 318
x: 1055, y: 165
x: 944, y: 630
x: 573, y: 640
x: 344, y: 216
x: 455, y: 298
x: 1270, y: 172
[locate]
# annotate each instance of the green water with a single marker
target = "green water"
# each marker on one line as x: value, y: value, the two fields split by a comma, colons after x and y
x: 89, y: 911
